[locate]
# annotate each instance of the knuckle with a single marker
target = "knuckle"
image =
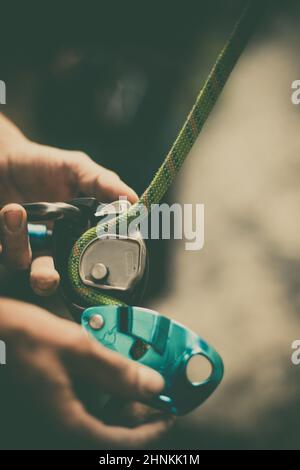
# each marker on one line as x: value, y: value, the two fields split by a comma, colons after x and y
x: 86, y: 346
x: 81, y: 339
x: 71, y: 420
x: 80, y: 156
x: 76, y: 338
x: 132, y: 439
x: 125, y: 439
x: 113, y: 174
x: 17, y: 264
x: 129, y: 377
x: 21, y: 266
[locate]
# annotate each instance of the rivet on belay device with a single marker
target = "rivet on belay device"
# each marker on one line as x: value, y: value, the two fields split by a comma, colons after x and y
x: 160, y: 343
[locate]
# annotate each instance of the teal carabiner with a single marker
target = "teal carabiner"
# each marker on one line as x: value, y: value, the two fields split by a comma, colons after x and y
x: 160, y: 343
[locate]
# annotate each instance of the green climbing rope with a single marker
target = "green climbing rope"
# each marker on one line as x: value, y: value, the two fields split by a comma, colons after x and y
x: 162, y: 180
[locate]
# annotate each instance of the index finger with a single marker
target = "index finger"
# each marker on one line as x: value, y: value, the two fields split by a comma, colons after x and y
x: 112, y: 373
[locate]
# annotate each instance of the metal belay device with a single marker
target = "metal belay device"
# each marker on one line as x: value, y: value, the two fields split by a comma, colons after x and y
x: 117, y: 266
x: 104, y: 273
x: 114, y: 263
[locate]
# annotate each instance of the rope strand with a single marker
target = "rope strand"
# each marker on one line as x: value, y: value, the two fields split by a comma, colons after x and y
x: 180, y: 149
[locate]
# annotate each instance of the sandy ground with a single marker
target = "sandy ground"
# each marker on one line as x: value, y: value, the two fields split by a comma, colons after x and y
x: 241, y: 292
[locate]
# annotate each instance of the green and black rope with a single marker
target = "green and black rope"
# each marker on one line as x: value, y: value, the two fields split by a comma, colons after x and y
x: 180, y: 149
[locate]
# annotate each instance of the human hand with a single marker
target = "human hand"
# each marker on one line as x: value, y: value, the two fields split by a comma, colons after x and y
x: 30, y: 172
x: 47, y: 358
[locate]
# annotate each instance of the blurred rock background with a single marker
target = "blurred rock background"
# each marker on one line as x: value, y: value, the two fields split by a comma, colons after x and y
x: 117, y: 82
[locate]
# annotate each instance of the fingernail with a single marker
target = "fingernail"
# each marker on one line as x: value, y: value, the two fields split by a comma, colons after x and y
x: 151, y: 381
x: 13, y: 220
x: 45, y: 288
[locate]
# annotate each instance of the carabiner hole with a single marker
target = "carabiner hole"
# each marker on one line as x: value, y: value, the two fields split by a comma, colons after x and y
x: 198, y: 369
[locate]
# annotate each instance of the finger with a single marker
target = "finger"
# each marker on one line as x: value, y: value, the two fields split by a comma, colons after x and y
x: 139, y: 437
x: 44, y: 279
x: 114, y: 374
x: 136, y: 413
x: 86, y: 429
x: 54, y: 394
x: 95, y: 180
x: 132, y: 414
x: 16, y: 251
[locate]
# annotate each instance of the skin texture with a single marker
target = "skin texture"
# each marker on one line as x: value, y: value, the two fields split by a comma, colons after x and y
x: 31, y: 172
x: 54, y: 369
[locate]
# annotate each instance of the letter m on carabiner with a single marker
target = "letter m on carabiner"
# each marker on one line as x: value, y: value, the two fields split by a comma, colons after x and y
x: 2, y: 92
x: 2, y: 353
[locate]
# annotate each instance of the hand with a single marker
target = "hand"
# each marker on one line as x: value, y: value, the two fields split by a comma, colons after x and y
x: 30, y: 172
x: 47, y: 358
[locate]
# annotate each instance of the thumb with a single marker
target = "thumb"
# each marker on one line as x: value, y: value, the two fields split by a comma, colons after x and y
x: 95, y: 180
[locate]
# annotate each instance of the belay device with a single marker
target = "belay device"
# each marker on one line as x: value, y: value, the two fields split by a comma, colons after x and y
x: 102, y: 272
x: 118, y: 265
